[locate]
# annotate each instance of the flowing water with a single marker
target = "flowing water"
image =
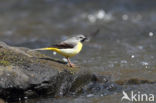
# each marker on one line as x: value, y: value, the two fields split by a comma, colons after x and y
x: 124, y: 48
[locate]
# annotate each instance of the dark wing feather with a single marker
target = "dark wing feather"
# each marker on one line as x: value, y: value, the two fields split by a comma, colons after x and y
x: 63, y: 46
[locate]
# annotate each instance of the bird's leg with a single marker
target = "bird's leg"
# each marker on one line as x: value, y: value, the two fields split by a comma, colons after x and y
x: 69, y: 63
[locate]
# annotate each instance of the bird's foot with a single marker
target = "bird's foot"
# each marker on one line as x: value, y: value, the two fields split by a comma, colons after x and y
x: 71, y: 65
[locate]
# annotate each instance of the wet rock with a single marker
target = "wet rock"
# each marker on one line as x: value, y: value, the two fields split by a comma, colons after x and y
x: 135, y: 81
x: 130, y: 76
x: 27, y: 74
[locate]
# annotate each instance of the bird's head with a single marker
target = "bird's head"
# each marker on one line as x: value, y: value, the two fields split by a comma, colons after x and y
x: 81, y: 38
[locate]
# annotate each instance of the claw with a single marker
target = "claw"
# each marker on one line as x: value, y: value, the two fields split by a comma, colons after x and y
x: 70, y: 64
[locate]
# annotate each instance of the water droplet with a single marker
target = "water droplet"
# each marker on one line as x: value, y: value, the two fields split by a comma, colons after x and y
x: 25, y: 97
x: 61, y: 93
x: 125, y: 17
x: 124, y: 61
x: 90, y: 95
x: 92, y: 18
x: 140, y: 47
x: 100, y: 14
x: 8, y: 74
x: 151, y: 34
x: 144, y: 63
x: 132, y: 56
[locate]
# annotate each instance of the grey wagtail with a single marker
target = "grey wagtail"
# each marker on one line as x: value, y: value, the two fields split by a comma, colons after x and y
x: 68, y: 48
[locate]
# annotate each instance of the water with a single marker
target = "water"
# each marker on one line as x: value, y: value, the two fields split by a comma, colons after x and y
x: 123, y: 49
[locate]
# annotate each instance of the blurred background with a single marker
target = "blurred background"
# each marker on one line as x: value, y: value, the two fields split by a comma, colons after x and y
x: 126, y: 41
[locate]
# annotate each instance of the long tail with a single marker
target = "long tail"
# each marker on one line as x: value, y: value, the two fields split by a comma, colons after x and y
x: 49, y: 48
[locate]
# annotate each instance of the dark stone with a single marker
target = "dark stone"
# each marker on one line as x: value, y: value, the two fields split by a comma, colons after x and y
x: 24, y: 74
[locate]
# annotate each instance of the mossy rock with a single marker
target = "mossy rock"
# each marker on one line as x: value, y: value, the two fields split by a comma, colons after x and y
x: 31, y: 74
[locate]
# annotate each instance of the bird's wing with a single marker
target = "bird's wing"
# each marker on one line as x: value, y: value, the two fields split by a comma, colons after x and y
x: 69, y: 43
x: 64, y: 45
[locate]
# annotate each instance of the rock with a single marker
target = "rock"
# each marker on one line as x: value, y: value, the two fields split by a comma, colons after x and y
x: 27, y: 74
x: 130, y: 76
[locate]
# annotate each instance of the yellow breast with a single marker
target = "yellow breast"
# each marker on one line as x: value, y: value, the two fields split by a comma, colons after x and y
x: 78, y: 48
x: 71, y: 51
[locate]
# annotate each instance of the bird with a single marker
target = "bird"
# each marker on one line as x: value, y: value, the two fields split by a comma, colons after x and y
x: 68, y: 48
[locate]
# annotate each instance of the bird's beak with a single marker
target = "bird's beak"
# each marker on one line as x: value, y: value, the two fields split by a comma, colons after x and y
x: 83, y: 39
